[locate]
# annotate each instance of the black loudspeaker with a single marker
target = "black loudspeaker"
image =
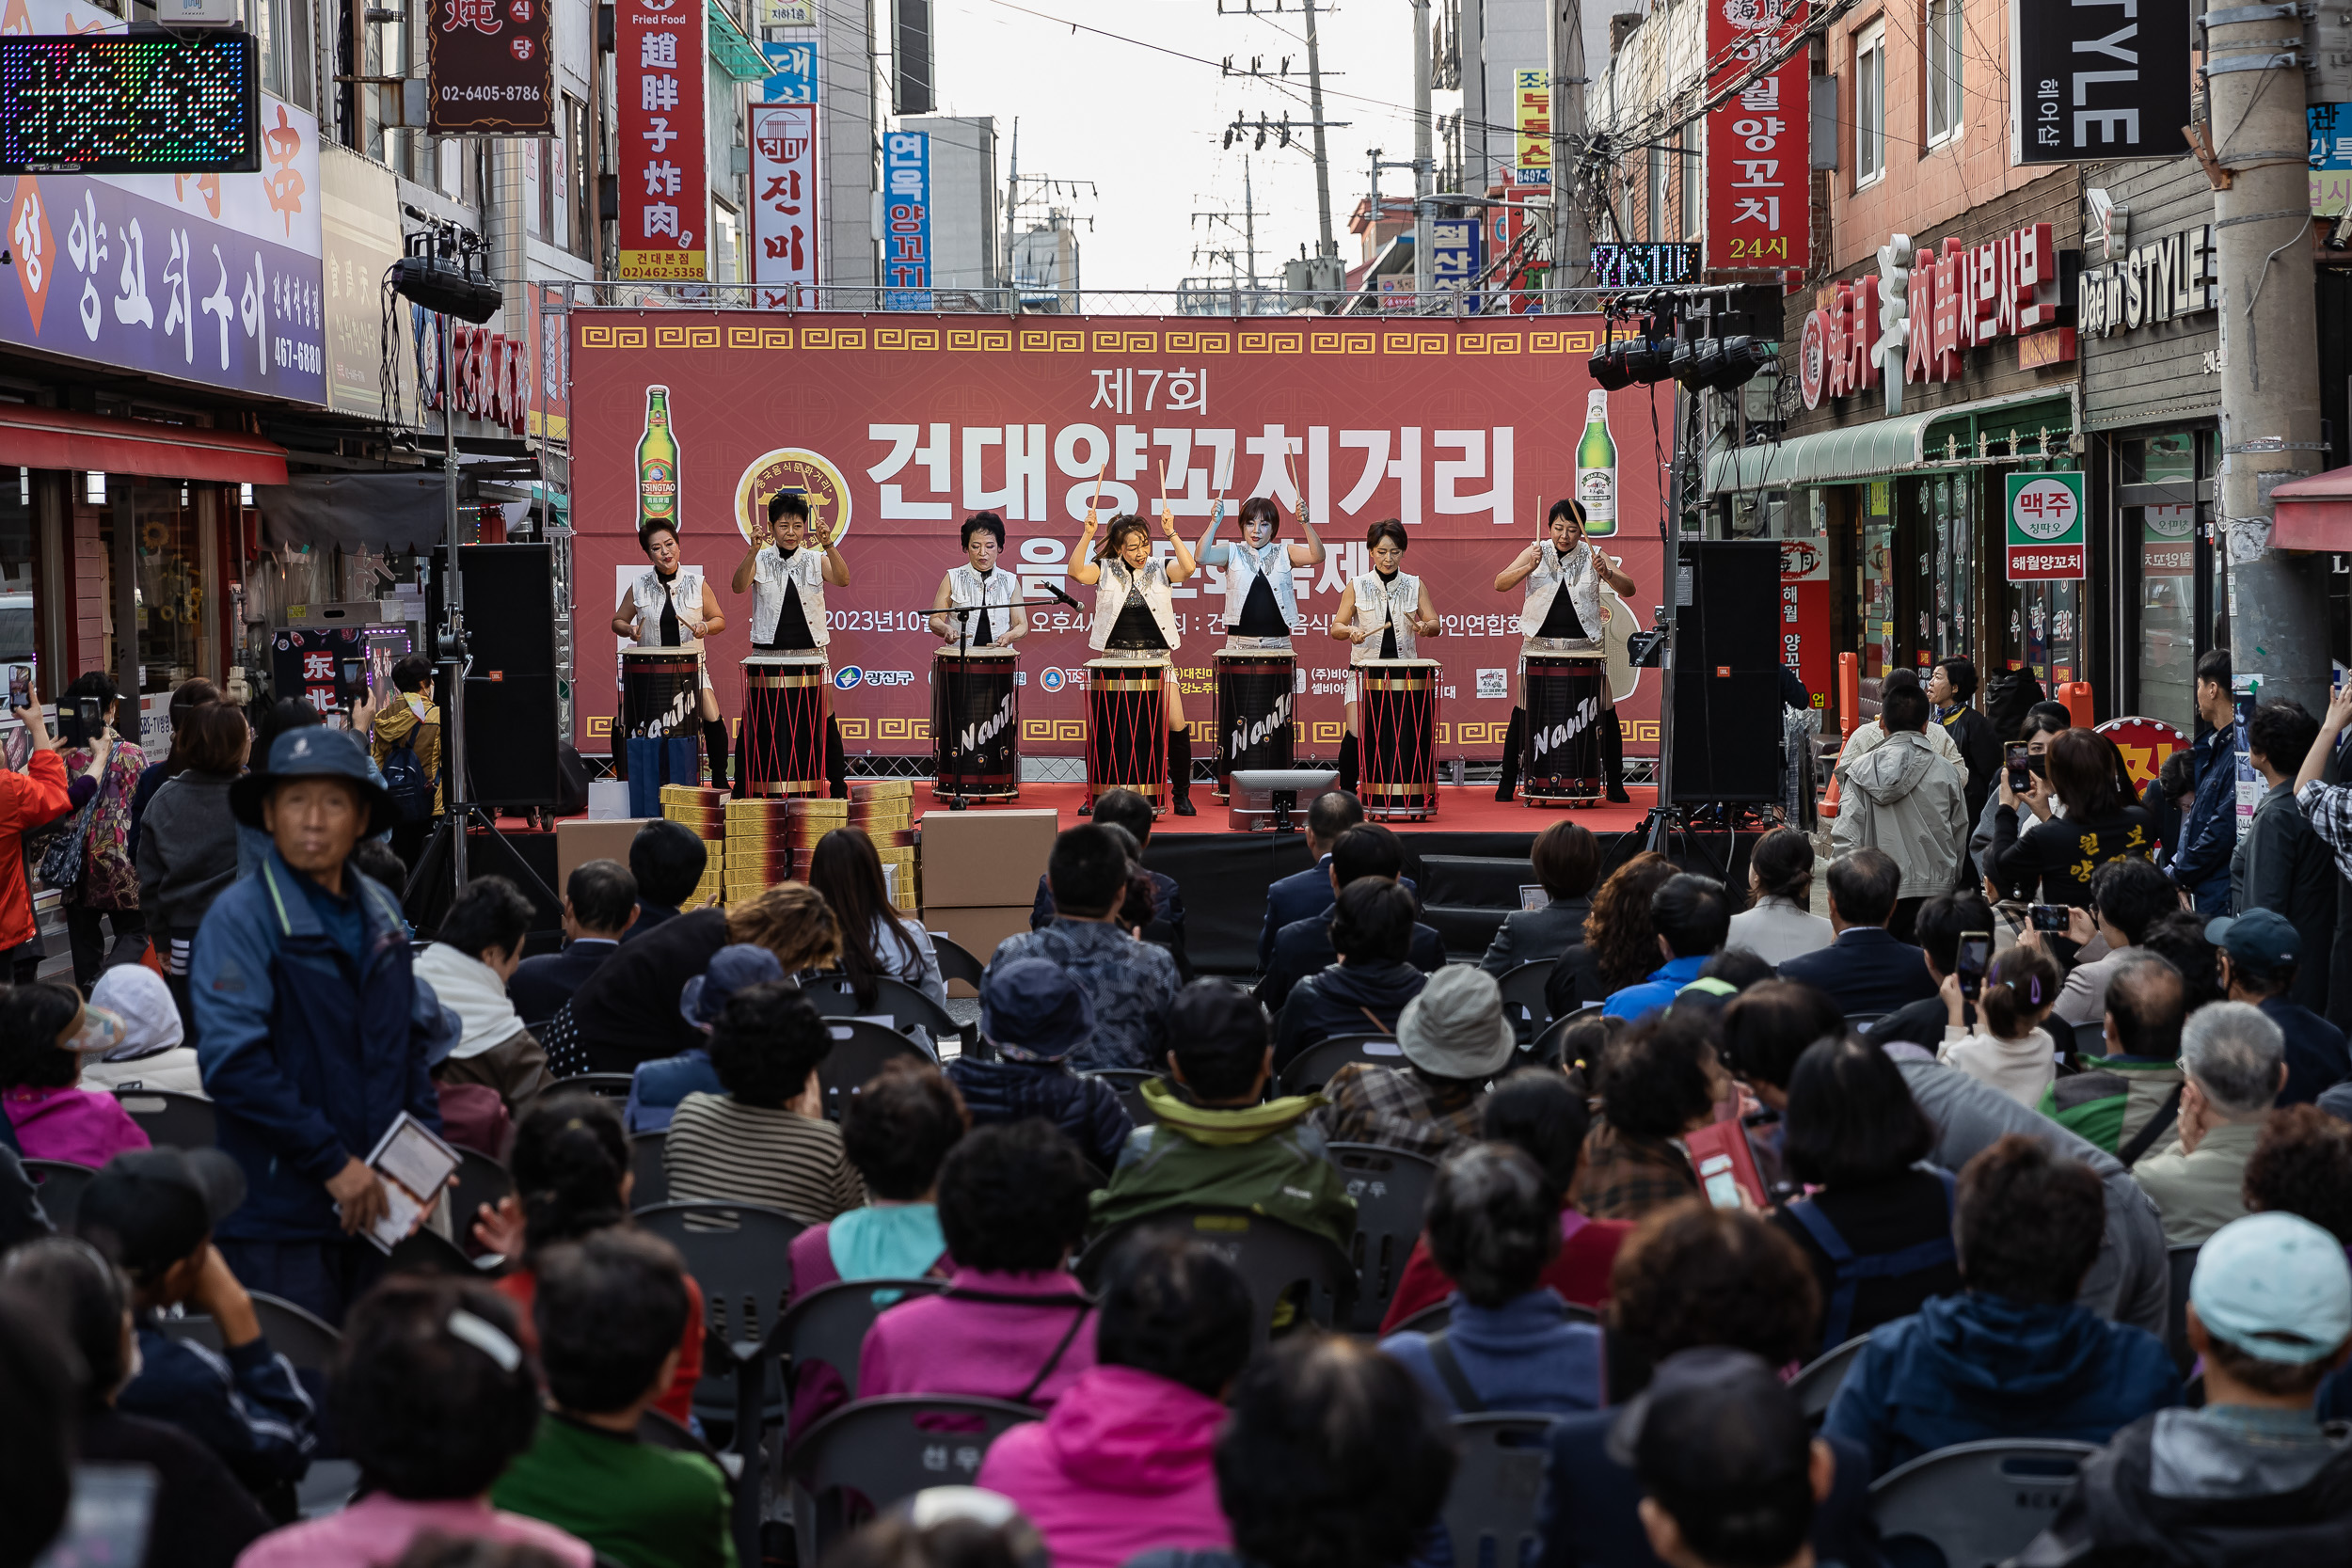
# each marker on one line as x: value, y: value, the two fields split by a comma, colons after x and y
x: 511, y: 740
x: 510, y: 609
x: 1726, y: 729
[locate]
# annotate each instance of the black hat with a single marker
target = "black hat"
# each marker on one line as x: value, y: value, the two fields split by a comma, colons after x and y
x: 314, y: 752
x: 1720, y: 1442
x: 151, y: 1207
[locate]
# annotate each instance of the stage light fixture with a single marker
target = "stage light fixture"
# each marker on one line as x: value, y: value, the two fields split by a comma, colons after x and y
x: 1697, y: 362
x: 1742, y: 357
x: 443, y: 286
x: 1649, y: 361
x: 1609, y: 372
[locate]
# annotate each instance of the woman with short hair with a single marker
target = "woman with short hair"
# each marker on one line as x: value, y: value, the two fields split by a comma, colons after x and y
x: 1567, y: 858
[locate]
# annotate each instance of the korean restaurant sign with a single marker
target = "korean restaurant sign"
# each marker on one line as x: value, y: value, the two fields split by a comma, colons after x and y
x: 1961, y: 297
x: 660, y: 47
x: 907, y: 220
x: 1530, y: 143
x: 783, y: 205
x: 1759, y: 209
x: 491, y: 68
x: 2046, y: 535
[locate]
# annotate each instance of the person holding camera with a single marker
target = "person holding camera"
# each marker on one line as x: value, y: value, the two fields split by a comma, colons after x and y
x: 104, y: 882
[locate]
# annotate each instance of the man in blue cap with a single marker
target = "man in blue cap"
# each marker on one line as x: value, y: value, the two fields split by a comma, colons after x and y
x: 314, y: 1031
x: 2260, y: 962
x: 1034, y: 1014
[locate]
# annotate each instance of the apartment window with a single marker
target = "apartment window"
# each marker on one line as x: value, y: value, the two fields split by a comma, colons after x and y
x: 1943, y: 70
x: 1869, y: 106
x: 1657, y: 192
x: 284, y: 31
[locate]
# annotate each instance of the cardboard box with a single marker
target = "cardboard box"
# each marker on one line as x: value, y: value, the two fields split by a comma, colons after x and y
x: 979, y: 859
x: 577, y: 842
x: 975, y: 930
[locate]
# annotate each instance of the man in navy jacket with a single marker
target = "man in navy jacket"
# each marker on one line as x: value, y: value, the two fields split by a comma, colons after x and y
x: 2209, y: 832
x: 1865, y: 970
x: 599, y: 908
x: 1304, y: 945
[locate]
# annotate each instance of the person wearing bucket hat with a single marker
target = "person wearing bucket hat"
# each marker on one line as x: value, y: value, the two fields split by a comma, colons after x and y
x: 655, y: 1087
x: 1035, y: 1015
x: 311, y: 1027
x: 1453, y: 1038
x: 2260, y: 955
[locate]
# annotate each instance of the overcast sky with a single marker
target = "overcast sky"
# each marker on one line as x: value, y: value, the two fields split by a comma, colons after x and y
x: 1147, y: 127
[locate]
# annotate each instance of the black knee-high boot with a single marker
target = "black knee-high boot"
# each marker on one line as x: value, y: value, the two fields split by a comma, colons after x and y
x: 715, y: 747
x: 1511, y: 741
x: 1347, y: 763
x: 1613, y: 758
x: 837, y: 760
x: 1180, y: 771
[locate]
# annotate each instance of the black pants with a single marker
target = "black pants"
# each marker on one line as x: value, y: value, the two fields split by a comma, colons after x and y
x: 89, y: 946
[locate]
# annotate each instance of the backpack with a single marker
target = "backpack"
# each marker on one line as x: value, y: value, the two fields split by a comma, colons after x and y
x: 406, y: 780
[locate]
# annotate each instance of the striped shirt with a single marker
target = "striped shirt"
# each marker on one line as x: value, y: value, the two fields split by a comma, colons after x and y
x: 720, y: 1148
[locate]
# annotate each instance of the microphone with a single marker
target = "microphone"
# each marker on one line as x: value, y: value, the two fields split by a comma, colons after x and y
x: 1065, y: 598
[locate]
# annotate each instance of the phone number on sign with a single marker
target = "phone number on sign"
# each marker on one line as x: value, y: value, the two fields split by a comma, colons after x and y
x: 523, y: 94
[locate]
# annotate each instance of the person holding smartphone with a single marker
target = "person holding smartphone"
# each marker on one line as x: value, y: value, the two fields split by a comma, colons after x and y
x: 108, y: 881
x: 39, y: 795
x: 2102, y: 822
x: 2008, y: 1049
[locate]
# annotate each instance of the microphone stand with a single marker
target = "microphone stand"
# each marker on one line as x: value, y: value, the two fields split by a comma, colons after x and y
x: 957, y: 771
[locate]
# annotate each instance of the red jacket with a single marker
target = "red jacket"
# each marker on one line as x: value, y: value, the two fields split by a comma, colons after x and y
x: 1579, y: 1272
x: 27, y: 799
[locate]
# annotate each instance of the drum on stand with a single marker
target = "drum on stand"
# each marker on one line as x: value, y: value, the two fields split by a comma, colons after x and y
x: 976, y: 724
x: 1254, y: 697
x: 1565, y: 694
x: 1397, y: 715
x: 659, y: 691
x: 1126, y: 729
x: 786, y: 703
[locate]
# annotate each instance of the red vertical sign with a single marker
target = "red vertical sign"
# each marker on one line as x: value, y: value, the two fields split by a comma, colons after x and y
x: 659, y: 50
x: 1760, y: 187
x: 1805, y: 613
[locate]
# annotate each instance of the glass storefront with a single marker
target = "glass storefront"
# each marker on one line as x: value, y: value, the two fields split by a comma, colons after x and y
x: 2158, y: 537
x: 20, y: 628
x: 169, y: 593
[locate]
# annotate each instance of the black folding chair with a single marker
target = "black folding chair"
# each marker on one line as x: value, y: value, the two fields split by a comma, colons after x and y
x: 307, y: 1341
x: 1523, y: 1000
x: 1278, y: 1260
x: 1977, y: 1504
x: 1497, y: 1486
x: 2182, y: 1260
x: 832, y: 996
x: 605, y: 1085
x: 866, y: 1456
x: 1817, y: 1381
x: 1551, y: 1042
x: 652, y: 1185
x: 1129, y: 1081
x: 827, y: 1327
x: 427, y: 1251
x: 1391, y: 1188
x: 58, y: 1184
x: 740, y: 1254
x: 479, y: 1180
x: 1315, y: 1066
x: 957, y: 962
x: 860, y: 1050
x: 169, y: 1119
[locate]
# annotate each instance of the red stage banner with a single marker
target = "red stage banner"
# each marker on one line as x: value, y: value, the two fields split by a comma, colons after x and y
x: 897, y: 428
x: 658, y: 47
x: 1759, y: 192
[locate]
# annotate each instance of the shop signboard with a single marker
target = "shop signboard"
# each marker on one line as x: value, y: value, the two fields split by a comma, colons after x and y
x: 783, y: 205
x: 491, y: 66
x: 2332, y: 158
x: 2161, y: 281
x: 1531, y: 158
x: 907, y: 220
x: 2093, y: 82
x: 1759, y: 182
x: 2047, y: 539
x: 361, y: 206
x: 1804, y: 635
x: 792, y: 71
x: 2146, y: 743
x: 1957, y: 297
x: 1456, y: 257
x: 660, y: 47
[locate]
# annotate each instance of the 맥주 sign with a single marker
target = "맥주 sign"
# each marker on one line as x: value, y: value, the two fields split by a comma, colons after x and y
x: 2046, y: 534
x: 491, y: 69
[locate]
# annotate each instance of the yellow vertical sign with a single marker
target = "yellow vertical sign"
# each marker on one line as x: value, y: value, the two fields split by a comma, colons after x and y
x: 1531, y: 164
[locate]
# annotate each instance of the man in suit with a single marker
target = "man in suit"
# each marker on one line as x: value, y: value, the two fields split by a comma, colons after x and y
x: 1304, y: 945
x: 667, y: 859
x: 1308, y: 892
x: 1865, y: 970
x: 599, y: 907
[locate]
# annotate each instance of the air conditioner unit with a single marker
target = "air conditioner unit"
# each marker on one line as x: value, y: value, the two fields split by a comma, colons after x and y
x: 198, y: 13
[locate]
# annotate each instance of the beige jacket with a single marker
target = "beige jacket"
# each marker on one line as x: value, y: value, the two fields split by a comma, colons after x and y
x: 2196, y: 1195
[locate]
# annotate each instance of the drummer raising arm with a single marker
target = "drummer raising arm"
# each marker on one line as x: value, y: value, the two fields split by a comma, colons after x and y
x: 1382, y: 615
x: 788, y: 588
x: 976, y: 583
x: 1565, y: 611
x: 1134, y: 614
x: 669, y: 607
x: 1260, y: 599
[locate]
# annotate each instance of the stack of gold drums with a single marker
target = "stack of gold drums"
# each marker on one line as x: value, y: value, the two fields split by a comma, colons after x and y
x: 759, y: 848
x: 703, y: 812
x: 884, y: 809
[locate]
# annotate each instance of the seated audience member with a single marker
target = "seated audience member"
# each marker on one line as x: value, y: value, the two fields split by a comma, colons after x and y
x: 1124, y: 808
x: 45, y: 1031
x: 1013, y: 1324
x: 1731, y: 1478
x: 1332, y: 1457
x: 1766, y: 1028
x: 479, y: 945
x: 1724, y: 976
x: 667, y: 860
x: 1691, y: 916
x: 1306, y: 947
x: 2011, y: 1354
x: 2178, y: 937
x: 2302, y: 1166
x: 897, y: 1131
x: 876, y: 940
x: 1656, y: 1082
x: 153, y: 1053
x: 2008, y: 1049
x: 2127, y: 897
x: 1620, y: 945
x: 599, y: 909
x: 434, y: 1395
x: 1493, y: 1226
x: 1211, y: 1142
x: 39, y: 1390
x: 944, y: 1527
x: 1877, y: 1232
x: 201, y: 1517
x: 1305, y: 893
x: 1779, y: 923
x: 473, y: 1115
x: 1690, y: 1276
x: 1126, y: 1462
x: 1539, y: 1111
x: 1035, y: 1015
x: 1567, y: 858
x: 628, y: 1012
x: 2102, y: 822
x: 572, y: 1181
x: 1364, y: 990
x: 1865, y: 970
x: 2253, y: 1477
x: 2281, y: 864
x: 657, y: 1088
x: 765, y: 1140
x: 1128, y: 983
x: 2259, y: 954
x: 2232, y: 1066
x: 608, y: 1313
x: 1940, y: 924
x: 2125, y: 1100
x: 1455, y: 1038
x: 152, y: 1214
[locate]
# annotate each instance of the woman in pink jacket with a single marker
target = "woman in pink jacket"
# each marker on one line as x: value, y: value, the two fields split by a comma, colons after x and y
x: 1123, y: 1463
x: 44, y: 1033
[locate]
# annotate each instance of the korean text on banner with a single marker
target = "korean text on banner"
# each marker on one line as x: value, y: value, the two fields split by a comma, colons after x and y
x: 792, y: 71
x: 2332, y: 158
x: 660, y: 47
x: 492, y: 68
x: 1530, y: 161
x: 1456, y: 258
x: 1804, y: 629
x: 783, y: 205
x: 1760, y: 203
x: 2047, y: 540
x: 2093, y: 82
x: 907, y: 221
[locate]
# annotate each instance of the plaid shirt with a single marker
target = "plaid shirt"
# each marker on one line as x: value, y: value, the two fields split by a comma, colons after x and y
x: 1627, y: 1178
x: 2328, y: 809
x: 1397, y: 1108
x: 1130, y: 985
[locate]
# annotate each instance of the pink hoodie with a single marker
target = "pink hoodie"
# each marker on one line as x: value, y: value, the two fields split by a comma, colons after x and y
x: 1120, y: 1467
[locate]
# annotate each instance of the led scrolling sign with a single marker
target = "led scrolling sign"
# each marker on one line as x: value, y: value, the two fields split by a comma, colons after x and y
x: 138, y: 103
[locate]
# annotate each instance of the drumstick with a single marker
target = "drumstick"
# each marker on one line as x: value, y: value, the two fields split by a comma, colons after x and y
x: 1298, y: 497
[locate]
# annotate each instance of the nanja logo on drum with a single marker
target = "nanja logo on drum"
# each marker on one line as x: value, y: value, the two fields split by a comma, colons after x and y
x: 974, y: 736
x: 1586, y: 713
x: 1248, y: 735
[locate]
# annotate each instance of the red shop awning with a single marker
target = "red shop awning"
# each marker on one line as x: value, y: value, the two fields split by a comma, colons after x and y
x: 53, y: 439
x: 2314, y: 514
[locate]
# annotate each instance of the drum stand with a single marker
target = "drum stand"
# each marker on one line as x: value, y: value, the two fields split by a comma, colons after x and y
x: 963, y: 614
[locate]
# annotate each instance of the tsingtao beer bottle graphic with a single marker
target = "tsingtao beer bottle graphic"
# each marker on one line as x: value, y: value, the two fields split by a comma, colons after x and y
x: 1597, y: 468
x: 656, y: 461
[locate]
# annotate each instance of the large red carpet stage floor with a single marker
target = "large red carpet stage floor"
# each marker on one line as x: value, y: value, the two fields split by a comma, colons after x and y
x: 1461, y: 809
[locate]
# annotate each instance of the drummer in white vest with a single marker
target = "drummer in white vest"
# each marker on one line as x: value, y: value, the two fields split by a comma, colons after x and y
x: 671, y: 607
x: 1261, y: 597
x: 1384, y: 614
x: 1564, y: 611
x: 788, y: 587
x: 1135, y: 617
x: 978, y: 585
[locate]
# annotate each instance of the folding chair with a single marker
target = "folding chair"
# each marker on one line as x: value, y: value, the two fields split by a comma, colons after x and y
x: 307, y: 1342
x: 860, y: 1050
x: 1549, y: 1046
x: 1977, y: 1504
x: 866, y: 1456
x: 1391, y: 1188
x: 169, y: 1119
x: 1817, y: 1381
x: 740, y: 1254
x: 59, y: 1184
x: 908, y: 1008
x: 1315, y: 1067
x: 1523, y: 1000
x: 479, y: 1180
x: 1129, y: 1081
x: 652, y: 1185
x: 1273, y: 1257
x: 827, y: 1327
x: 1497, y: 1487
x: 957, y: 962
x: 604, y: 1085
x: 2183, y: 1263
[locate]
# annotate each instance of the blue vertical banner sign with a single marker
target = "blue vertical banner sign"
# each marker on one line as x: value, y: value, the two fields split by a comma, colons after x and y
x: 792, y: 71
x: 907, y: 221
x: 1455, y: 252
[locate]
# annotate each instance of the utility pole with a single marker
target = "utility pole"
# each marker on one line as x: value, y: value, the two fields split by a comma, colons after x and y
x: 1249, y: 224
x: 2270, y: 357
x: 1424, y: 162
x: 1571, y: 239
x: 1326, y: 244
x: 1013, y: 204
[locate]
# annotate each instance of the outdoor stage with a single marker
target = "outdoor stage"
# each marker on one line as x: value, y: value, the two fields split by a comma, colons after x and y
x: 1461, y: 809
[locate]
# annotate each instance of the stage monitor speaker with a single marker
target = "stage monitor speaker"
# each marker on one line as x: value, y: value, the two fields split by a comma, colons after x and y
x: 511, y: 743
x: 510, y: 604
x: 1726, y: 729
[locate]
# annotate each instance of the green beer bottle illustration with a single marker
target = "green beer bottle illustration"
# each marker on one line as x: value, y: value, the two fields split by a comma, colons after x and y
x: 1597, y: 468
x: 656, y: 461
